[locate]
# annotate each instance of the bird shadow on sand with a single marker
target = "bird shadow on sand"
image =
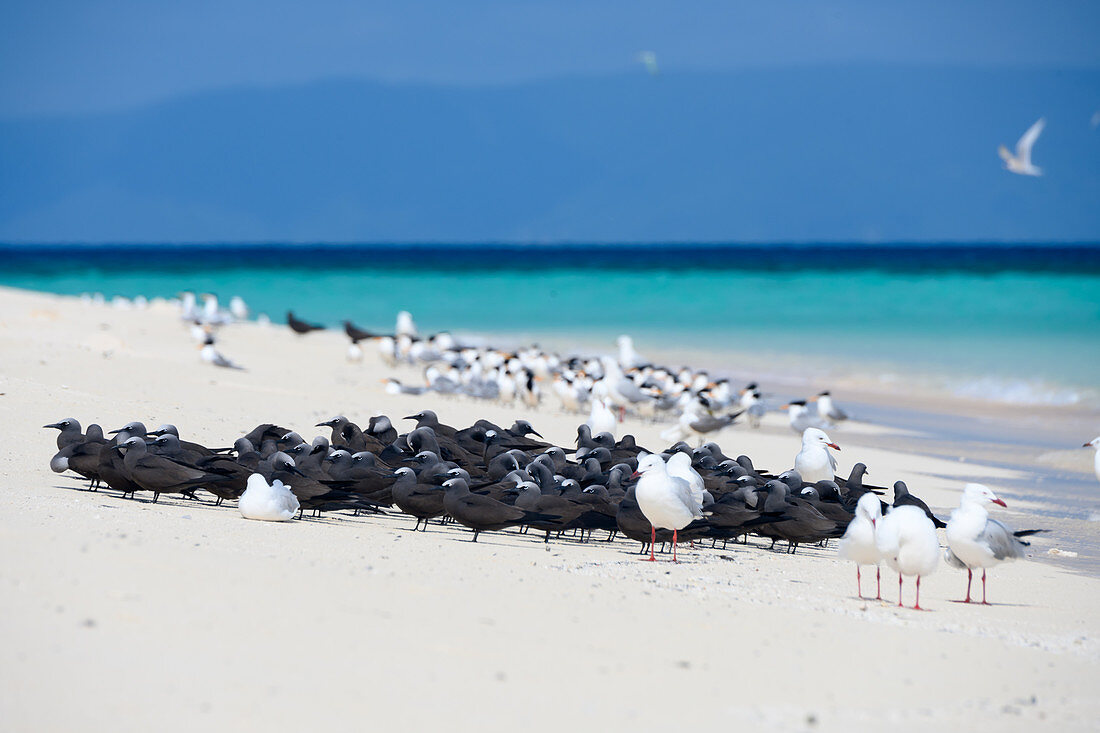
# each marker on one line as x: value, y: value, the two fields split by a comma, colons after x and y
x: 148, y: 500
x: 465, y: 539
x: 979, y: 604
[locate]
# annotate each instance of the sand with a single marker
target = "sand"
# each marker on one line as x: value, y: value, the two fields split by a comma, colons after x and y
x: 127, y: 615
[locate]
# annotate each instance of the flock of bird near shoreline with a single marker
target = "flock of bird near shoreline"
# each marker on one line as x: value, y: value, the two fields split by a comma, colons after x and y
x: 606, y: 388
x: 490, y: 478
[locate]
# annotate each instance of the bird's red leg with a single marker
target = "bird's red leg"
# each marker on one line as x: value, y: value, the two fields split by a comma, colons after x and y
x: 969, y: 578
x: 878, y: 582
x: 652, y: 542
x: 859, y: 588
x: 899, y: 591
x: 916, y: 606
x: 622, y: 414
x: 674, y: 546
x: 984, y: 601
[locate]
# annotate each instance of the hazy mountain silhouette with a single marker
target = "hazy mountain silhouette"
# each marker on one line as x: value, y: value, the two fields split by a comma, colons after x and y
x: 843, y: 153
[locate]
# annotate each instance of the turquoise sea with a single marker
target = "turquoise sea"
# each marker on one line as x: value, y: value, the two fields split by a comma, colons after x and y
x: 1003, y: 322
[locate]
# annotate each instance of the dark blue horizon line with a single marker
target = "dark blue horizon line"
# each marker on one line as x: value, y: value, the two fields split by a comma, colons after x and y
x: 623, y: 244
x: 1079, y: 257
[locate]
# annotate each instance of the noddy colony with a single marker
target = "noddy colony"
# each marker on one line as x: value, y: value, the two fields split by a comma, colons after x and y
x: 490, y: 478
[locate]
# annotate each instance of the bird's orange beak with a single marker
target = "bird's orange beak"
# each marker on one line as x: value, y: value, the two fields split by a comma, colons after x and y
x: 1001, y: 502
x: 834, y: 446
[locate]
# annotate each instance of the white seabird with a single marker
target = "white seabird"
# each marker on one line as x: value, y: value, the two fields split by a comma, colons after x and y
x: 800, y: 417
x: 601, y: 419
x: 267, y: 502
x: 907, y: 540
x: 1095, y: 443
x: 212, y: 356
x: 405, y: 325
x: 814, y: 462
x: 1021, y: 161
x: 974, y: 540
x: 628, y: 357
x: 238, y: 308
x: 665, y: 500
x: 858, y: 543
x: 827, y: 409
x: 649, y: 60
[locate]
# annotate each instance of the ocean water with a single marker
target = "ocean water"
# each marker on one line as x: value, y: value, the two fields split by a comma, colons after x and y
x: 1016, y: 324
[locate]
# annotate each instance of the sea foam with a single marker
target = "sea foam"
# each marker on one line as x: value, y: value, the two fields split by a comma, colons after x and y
x: 1019, y: 392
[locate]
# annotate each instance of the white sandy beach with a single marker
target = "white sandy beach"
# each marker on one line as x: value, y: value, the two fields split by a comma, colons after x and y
x: 128, y: 615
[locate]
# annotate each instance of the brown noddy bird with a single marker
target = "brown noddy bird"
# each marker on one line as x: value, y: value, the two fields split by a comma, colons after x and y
x: 423, y: 501
x: 69, y: 432
x: 82, y: 457
x: 160, y: 474
x: 481, y: 513
x: 299, y: 326
x: 902, y: 497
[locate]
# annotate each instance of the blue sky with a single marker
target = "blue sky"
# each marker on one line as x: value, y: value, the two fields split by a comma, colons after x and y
x: 786, y: 120
x: 59, y: 57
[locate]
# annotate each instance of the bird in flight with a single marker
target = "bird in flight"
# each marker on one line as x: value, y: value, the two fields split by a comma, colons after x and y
x: 649, y: 60
x: 1021, y: 161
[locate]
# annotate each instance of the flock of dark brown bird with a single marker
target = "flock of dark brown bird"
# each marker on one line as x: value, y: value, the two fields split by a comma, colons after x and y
x: 484, y: 477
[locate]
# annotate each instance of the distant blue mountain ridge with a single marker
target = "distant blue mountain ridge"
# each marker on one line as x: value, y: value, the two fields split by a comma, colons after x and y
x: 859, y: 153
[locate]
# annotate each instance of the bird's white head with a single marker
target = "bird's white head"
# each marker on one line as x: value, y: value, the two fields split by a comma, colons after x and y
x: 981, y: 494
x: 869, y: 507
x: 679, y: 458
x: 815, y: 436
x: 256, y: 482
x: 651, y: 462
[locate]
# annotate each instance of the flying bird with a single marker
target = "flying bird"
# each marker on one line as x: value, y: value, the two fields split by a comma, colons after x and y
x: 1021, y: 162
x: 648, y: 59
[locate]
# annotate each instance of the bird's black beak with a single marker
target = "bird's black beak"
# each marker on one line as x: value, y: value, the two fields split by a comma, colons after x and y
x: 57, y: 426
x: 294, y: 470
x: 112, y: 432
x: 535, y: 432
x: 326, y: 424
x: 411, y: 417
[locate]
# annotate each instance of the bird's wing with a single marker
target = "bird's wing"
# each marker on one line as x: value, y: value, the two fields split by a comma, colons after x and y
x: 1003, y: 152
x: 1023, y: 147
x: 682, y: 490
x: 1000, y: 541
x: 708, y: 423
x: 953, y: 559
